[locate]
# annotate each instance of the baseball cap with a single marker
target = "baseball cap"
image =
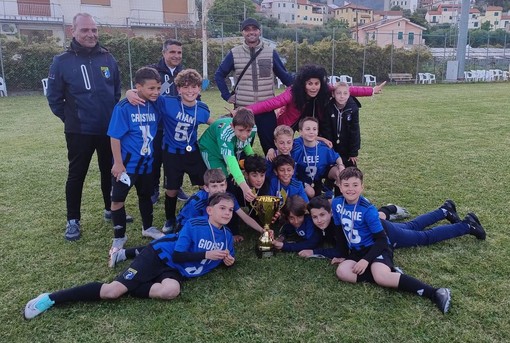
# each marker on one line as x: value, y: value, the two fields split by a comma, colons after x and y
x: 248, y: 22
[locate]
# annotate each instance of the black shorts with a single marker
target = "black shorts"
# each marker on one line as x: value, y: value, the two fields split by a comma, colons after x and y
x: 147, y: 269
x: 385, y: 258
x: 175, y: 165
x: 142, y: 182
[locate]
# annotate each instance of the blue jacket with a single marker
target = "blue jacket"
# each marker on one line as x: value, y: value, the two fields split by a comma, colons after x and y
x: 83, y: 88
x: 165, y: 74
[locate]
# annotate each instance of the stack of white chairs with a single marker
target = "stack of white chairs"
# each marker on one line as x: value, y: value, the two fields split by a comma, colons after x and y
x: 333, y: 79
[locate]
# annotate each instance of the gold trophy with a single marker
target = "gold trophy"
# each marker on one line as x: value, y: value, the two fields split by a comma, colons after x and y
x: 266, y: 207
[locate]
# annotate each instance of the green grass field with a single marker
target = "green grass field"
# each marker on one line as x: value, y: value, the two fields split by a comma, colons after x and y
x: 420, y: 146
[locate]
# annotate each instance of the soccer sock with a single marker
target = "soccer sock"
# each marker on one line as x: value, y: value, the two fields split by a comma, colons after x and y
x: 146, y: 211
x: 133, y: 252
x: 170, y: 206
x: 409, y: 284
x: 88, y: 292
x: 119, y: 222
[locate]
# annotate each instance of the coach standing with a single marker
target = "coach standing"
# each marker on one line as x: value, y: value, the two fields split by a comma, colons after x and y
x: 83, y: 88
x: 260, y: 64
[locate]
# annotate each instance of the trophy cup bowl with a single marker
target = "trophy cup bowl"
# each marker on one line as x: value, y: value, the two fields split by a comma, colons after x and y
x: 266, y: 207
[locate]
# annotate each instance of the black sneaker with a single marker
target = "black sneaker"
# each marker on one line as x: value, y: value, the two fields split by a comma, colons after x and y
x: 475, y: 228
x: 442, y: 299
x: 450, y: 211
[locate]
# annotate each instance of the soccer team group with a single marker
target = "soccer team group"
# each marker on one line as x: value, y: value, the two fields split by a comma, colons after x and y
x: 324, y: 213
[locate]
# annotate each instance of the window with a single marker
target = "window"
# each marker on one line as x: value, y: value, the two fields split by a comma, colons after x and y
x: 496, y: 14
x: 496, y: 23
x: 400, y: 35
x: 283, y: 4
x: 475, y: 24
x: 96, y: 2
x: 293, y: 17
x: 410, y: 38
x: 434, y: 20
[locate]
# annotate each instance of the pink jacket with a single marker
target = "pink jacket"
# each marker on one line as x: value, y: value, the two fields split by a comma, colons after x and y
x: 290, y: 114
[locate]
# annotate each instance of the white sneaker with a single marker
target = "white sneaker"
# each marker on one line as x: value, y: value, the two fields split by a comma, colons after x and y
x: 118, y: 243
x: 116, y: 256
x: 402, y: 213
x: 38, y: 305
x: 152, y: 232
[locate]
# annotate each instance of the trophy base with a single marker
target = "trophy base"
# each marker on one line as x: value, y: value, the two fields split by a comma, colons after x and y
x: 264, y: 253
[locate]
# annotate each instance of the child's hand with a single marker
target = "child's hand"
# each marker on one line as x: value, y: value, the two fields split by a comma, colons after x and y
x: 277, y: 244
x: 359, y: 268
x: 247, y: 192
x: 117, y: 170
x: 337, y: 260
x: 229, y: 260
x: 216, y: 254
x: 238, y: 238
x: 354, y: 160
x: 133, y: 98
x: 271, y: 154
x: 325, y: 141
x: 378, y: 89
x: 305, y: 253
x: 275, y: 217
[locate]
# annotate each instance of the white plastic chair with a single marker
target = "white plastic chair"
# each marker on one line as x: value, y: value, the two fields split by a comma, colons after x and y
x: 505, y: 75
x: 370, y: 80
x: 45, y: 86
x: 3, y: 88
x: 422, y: 78
x: 431, y: 78
x: 347, y: 79
x: 468, y: 76
x: 333, y: 79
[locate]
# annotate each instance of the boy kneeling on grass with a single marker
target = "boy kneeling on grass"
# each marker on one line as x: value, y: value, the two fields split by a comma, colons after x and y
x: 159, y: 270
x: 369, y: 256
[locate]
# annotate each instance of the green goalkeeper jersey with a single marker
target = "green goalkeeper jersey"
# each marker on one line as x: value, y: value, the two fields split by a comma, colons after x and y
x: 220, y: 148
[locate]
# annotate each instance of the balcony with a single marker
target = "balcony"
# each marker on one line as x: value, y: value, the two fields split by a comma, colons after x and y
x: 31, y: 13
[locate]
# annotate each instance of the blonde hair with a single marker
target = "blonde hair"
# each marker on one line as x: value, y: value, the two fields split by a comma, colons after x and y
x: 283, y: 130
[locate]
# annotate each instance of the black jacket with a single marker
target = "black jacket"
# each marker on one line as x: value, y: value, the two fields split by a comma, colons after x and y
x: 341, y: 127
x: 83, y: 88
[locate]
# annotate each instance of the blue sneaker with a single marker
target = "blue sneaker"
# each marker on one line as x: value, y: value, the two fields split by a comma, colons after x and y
x: 181, y: 195
x: 108, y: 216
x: 38, y: 305
x: 155, y: 196
x: 73, y: 230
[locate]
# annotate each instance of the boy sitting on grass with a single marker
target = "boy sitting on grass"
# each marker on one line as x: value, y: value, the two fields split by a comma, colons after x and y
x: 132, y: 130
x: 223, y: 142
x: 202, y: 245
x: 370, y: 257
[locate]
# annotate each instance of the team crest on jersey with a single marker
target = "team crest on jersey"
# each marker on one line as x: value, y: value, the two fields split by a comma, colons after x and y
x: 129, y: 274
x: 106, y: 72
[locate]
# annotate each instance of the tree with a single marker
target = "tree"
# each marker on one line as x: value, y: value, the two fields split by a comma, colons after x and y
x: 486, y: 26
x: 231, y: 13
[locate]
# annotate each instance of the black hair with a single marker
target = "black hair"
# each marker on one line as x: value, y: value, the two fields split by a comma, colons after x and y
x: 255, y: 163
x: 144, y: 74
x: 319, y: 202
x: 299, y: 96
x: 281, y: 160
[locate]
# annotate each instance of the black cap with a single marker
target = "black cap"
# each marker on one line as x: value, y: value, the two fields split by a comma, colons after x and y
x: 248, y: 22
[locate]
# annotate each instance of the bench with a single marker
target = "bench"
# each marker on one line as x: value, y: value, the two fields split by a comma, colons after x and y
x: 400, y: 77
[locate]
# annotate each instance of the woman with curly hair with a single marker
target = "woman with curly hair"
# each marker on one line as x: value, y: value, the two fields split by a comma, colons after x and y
x: 307, y: 97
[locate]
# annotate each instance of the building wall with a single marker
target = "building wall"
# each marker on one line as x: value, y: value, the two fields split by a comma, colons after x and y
x: 398, y: 33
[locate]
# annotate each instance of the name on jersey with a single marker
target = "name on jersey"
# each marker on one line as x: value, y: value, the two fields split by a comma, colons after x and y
x: 347, y: 213
x: 143, y: 117
x: 185, y: 118
x: 209, y: 245
x: 310, y: 159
